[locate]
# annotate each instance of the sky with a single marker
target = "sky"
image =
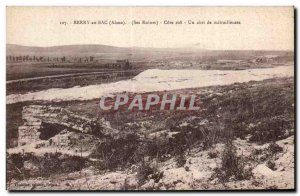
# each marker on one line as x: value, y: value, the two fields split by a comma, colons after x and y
x: 261, y: 28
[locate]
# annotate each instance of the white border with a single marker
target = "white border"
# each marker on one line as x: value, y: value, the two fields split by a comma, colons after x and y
x: 5, y: 3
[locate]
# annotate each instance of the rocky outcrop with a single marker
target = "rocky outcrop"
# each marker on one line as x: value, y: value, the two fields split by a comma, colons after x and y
x: 57, y: 115
x: 43, y: 122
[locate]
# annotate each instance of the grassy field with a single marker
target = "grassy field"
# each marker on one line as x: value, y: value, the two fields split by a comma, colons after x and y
x: 22, y: 70
x: 69, y: 81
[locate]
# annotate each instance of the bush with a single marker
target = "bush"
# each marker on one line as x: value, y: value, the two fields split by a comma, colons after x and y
x: 115, y: 153
x: 269, y: 130
x: 14, y: 168
x: 232, y: 166
x: 145, y: 172
x: 47, y: 165
x: 275, y: 148
x: 212, y: 154
x: 180, y: 160
x: 271, y: 164
x: 73, y: 164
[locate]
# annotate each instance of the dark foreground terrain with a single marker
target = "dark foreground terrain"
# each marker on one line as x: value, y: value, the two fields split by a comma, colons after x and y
x: 241, y: 138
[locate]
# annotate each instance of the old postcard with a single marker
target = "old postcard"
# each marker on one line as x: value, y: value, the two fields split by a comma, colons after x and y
x: 150, y: 98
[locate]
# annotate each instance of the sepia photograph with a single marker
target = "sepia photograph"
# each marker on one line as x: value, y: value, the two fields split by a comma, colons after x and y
x: 150, y: 98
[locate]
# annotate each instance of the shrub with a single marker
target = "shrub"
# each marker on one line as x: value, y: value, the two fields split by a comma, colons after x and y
x: 47, y: 165
x: 257, y: 151
x: 269, y: 130
x: 275, y: 148
x: 212, y: 154
x: 271, y: 164
x: 145, y: 172
x: 14, y: 168
x: 116, y: 152
x: 180, y: 160
x: 232, y: 166
x: 72, y: 164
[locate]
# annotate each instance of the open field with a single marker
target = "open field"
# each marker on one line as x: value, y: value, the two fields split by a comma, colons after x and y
x: 64, y: 59
x: 67, y: 80
x: 22, y: 70
x: 234, y: 120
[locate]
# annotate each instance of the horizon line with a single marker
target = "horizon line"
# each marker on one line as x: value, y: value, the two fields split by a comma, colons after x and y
x: 184, y: 47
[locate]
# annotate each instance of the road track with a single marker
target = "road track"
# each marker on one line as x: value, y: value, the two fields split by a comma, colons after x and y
x: 67, y: 75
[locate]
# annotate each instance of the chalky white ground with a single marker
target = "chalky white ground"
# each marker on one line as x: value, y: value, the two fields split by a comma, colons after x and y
x: 156, y: 80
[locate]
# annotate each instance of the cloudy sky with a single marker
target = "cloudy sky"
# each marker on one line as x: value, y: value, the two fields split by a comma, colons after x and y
x: 261, y: 28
